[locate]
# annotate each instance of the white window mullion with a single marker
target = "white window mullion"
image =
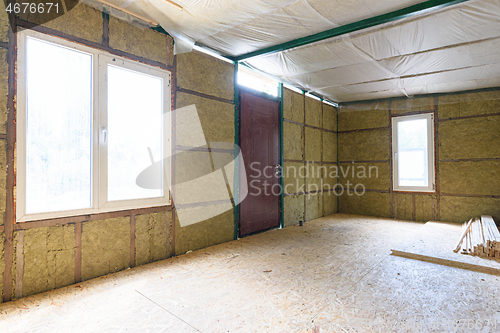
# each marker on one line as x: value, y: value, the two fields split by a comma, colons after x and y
x: 102, y: 132
x: 95, y: 133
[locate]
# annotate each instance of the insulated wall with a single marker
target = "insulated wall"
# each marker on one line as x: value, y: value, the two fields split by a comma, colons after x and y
x: 207, y: 84
x: 467, y: 133
x: 309, y: 156
x: 42, y: 255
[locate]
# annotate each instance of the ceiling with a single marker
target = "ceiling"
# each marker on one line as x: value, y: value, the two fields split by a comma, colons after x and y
x: 372, y: 49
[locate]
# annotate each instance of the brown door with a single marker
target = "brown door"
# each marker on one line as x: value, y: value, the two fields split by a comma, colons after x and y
x: 260, y: 150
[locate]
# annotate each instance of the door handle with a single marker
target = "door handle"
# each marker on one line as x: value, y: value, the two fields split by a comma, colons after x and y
x: 104, y: 134
x: 278, y: 169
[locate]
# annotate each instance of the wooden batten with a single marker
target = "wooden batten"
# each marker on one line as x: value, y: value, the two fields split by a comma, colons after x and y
x: 481, y: 238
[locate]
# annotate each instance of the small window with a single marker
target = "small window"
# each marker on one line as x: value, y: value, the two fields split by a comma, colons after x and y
x: 258, y: 82
x: 413, y: 149
x: 88, y: 124
x: 134, y: 123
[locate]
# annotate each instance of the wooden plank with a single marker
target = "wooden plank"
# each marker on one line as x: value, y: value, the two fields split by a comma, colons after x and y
x: 475, y: 235
x: 169, y: 251
x: 436, y: 158
x: 493, y: 227
x: 469, y: 245
x: 413, y: 213
x: 19, y: 264
x: 132, y: 240
x: 466, y: 231
x: 483, y: 238
x: 446, y: 262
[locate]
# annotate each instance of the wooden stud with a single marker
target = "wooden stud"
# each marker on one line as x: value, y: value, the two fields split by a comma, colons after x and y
x: 395, y: 207
x: 169, y: 252
x: 174, y: 143
x: 78, y: 252
x: 413, y: 213
x: 132, y: 240
x: 11, y: 144
x: 19, y: 264
x: 436, y: 158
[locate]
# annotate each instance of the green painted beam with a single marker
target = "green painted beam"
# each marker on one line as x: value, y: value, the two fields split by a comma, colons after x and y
x: 282, y: 192
x: 236, y: 186
x: 159, y: 28
x: 353, y: 27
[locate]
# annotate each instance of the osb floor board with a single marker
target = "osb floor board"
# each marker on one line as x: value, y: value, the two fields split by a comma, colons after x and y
x: 335, y: 272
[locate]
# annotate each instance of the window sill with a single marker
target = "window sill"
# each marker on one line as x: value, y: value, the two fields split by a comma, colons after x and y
x: 414, y: 192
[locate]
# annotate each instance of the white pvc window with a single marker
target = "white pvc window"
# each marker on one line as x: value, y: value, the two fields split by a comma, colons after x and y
x: 253, y: 80
x: 413, y: 149
x: 88, y: 123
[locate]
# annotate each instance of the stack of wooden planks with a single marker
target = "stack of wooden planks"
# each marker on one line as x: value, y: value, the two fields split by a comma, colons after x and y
x: 480, y: 238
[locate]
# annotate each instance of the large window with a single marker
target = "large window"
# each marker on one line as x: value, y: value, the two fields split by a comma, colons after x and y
x: 413, y: 148
x: 88, y: 123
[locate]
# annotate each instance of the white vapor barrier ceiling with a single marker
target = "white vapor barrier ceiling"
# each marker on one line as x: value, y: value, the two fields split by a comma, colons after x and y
x: 453, y: 50
x: 446, y: 50
x: 235, y: 27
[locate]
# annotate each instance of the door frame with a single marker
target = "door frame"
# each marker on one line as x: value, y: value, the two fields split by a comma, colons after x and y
x: 237, y: 134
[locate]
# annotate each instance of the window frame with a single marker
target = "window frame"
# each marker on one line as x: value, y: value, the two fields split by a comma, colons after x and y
x: 100, y: 60
x: 431, y: 163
